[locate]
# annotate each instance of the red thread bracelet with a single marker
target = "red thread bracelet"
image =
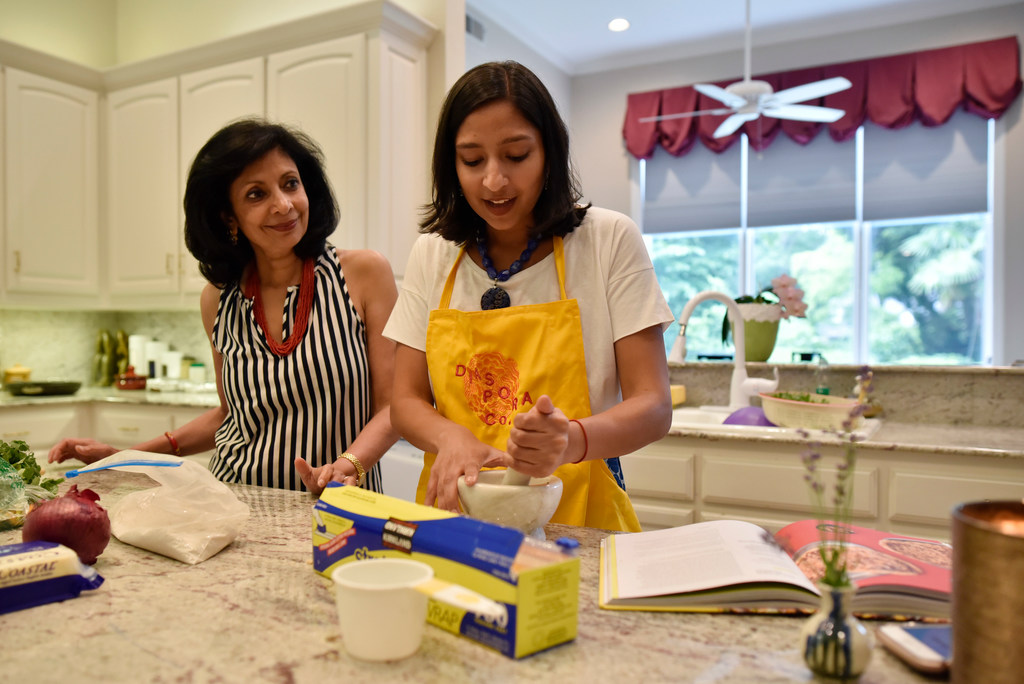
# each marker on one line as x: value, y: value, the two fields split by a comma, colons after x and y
x: 174, y: 443
x: 586, y: 443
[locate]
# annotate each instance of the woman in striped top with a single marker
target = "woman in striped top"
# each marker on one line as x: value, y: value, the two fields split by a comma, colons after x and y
x: 303, y: 373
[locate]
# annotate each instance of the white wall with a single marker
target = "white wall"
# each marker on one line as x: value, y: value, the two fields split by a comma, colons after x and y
x: 599, y: 106
x: 499, y: 45
x: 81, y: 31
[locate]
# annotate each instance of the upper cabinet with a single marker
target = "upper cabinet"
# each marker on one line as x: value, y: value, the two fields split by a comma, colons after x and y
x: 143, y: 255
x: 321, y: 90
x: 51, y: 191
x: 354, y: 79
x: 211, y: 98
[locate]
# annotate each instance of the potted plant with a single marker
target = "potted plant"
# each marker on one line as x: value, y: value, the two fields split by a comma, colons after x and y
x: 762, y: 313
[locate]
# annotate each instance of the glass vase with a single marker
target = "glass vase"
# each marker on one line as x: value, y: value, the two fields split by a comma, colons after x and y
x: 835, y: 644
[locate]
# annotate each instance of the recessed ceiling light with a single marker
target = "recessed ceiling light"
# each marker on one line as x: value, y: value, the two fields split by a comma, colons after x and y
x: 619, y: 24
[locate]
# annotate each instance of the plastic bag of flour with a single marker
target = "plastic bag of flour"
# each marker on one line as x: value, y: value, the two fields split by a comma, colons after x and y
x: 190, y: 516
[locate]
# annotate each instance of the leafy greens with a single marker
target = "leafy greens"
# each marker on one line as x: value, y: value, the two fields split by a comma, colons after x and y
x: 18, y: 455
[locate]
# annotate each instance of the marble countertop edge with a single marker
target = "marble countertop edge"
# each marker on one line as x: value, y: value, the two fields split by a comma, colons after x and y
x: 967, y: 440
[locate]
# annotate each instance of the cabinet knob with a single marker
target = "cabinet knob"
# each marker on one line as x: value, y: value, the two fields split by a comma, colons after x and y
x: 17, y: 261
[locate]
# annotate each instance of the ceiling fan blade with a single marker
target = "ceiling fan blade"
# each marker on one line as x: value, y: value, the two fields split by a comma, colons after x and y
x: 681, y: 115
x: 720, y: 94
x: 809, y: 91
x: 733, y: 123
x: 799, y: 112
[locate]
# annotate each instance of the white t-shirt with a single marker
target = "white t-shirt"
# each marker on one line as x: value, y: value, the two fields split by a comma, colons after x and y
x: 608, y: 272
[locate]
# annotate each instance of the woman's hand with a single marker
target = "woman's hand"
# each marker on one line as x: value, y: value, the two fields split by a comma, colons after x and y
x: 460, y: 454
x: 316, y: 479
x: 85, y: 450
x: 539, y: 439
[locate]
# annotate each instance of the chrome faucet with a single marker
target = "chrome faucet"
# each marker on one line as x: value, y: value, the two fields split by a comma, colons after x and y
x: 742, y: 388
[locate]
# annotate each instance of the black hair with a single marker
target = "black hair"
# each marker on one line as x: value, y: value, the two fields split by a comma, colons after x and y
x: 556, y: 211
x: 207, y: 195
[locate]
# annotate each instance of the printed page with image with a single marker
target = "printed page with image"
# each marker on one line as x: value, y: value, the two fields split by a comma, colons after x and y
x: 730, y: 565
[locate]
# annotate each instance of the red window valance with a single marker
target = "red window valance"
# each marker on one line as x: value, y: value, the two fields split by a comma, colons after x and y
x: 894, y: 91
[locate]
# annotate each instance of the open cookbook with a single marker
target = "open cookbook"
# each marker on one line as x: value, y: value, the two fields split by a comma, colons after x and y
x: 735, y: 566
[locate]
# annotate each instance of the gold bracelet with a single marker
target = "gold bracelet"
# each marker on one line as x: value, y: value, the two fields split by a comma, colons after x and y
x: 360, y: 470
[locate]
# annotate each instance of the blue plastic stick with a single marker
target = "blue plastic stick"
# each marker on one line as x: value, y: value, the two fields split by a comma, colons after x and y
x: 164, y: 464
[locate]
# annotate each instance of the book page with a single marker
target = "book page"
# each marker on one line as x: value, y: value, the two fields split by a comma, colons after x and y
x: 697, y: 557
x: 876, y: 559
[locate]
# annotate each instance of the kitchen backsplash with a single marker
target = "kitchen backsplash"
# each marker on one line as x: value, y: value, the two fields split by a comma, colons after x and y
x: 941, y: 395
x: 59, y: 345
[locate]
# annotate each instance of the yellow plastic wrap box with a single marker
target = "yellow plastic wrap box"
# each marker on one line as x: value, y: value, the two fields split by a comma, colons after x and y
x: 538, y: 586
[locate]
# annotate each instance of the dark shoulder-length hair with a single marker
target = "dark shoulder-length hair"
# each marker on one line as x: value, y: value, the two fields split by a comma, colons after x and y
x: 208, y: 203
x: 557, y: 211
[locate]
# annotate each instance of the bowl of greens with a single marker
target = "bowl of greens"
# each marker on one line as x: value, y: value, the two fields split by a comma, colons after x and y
x: 810, y: 411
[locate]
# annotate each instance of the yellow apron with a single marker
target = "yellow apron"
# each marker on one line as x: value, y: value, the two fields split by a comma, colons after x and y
x: 486, y: 366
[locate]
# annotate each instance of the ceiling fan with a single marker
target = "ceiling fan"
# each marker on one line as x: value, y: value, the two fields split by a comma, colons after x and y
x: 748, y: 99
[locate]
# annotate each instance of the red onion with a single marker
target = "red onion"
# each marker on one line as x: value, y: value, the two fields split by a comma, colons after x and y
x: 74, y: 520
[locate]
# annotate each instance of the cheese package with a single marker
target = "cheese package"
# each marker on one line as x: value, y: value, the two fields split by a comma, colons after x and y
x: 536, y: 582
x: 34, y: 573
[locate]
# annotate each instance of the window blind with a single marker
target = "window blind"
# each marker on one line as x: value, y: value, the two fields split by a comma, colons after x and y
x: 792, y: 184
x: 921, y: 171
x: 695, y: 192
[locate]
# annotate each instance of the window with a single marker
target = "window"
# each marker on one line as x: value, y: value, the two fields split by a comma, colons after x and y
x: 887, y: 235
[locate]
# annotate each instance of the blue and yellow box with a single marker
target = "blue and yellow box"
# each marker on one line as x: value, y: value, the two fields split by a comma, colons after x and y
x: 538, y: 585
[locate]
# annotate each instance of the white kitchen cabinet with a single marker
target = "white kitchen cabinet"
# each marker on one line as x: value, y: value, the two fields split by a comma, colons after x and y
x: 321, y: 90
x: 398, y: 165
x: 51, y: 187
x: 682, y: 479
x: 41, y: 427
x: 362, y: 98
x: 661, y: 484
x: 144, y: 246
x: 210, y: 98
x: 125, y: 425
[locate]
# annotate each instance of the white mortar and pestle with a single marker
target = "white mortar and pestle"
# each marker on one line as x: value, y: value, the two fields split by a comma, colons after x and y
x: 512, y: 499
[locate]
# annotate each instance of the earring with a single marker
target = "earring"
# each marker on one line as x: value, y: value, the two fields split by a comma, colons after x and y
x: 234, y: 237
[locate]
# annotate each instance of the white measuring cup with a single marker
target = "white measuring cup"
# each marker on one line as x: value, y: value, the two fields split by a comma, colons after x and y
x: 382, y: 605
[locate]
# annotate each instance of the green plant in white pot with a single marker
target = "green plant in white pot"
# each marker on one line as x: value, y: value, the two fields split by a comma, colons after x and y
x: 762, y: 313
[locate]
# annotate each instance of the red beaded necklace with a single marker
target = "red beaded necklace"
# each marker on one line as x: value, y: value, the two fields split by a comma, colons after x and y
x: 252, y: 289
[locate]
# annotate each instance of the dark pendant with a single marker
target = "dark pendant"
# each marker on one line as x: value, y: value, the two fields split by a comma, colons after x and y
x: 495, y: 298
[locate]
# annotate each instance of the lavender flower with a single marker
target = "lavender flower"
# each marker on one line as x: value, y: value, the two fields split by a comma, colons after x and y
x: 835, y: 512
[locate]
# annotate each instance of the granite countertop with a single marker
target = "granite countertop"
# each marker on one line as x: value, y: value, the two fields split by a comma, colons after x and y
x: 968, y: 440
x: 891, y: 436
x: 258, y: 612
x: 203, y: 396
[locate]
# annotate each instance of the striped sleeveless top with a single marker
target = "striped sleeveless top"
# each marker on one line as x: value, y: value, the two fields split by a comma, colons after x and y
x: 311, y: 403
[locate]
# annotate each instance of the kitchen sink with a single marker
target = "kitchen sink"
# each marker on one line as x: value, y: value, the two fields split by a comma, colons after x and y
x: 709, y: 419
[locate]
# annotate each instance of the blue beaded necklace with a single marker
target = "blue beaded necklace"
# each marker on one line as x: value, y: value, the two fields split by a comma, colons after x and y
x: 495, y: 297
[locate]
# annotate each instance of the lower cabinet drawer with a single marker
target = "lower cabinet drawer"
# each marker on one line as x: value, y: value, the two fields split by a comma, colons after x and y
x: 40, y: 427
x: 655, y: 515
x: 929, y: 498
x: 660, y: 472
x: 777, y: 486
x: 125, y: 426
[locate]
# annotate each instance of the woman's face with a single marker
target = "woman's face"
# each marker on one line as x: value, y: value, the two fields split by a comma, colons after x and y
x: 499, y: 158
x: 270, y: 204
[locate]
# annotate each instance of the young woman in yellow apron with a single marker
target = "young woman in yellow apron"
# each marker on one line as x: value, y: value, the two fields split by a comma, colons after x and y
x: 529, y: 329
